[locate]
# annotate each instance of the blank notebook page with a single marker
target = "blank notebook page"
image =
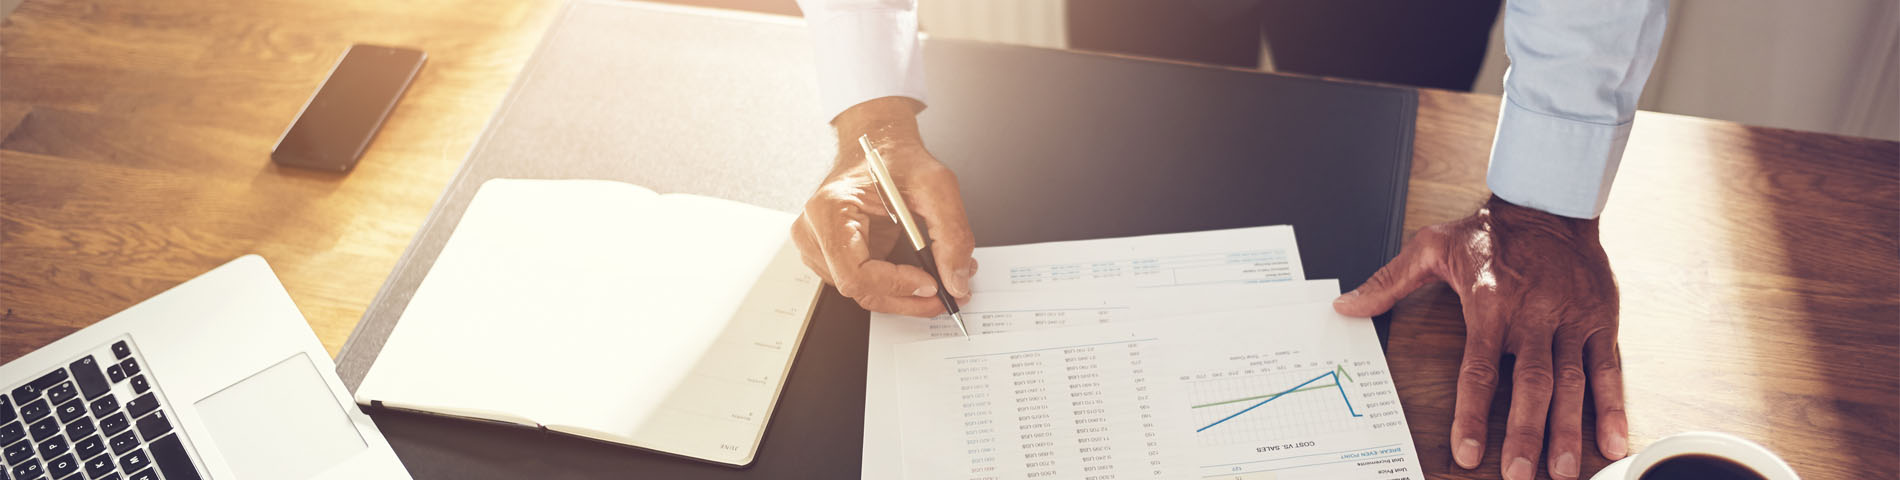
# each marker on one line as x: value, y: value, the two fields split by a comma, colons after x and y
x: 606, y: 309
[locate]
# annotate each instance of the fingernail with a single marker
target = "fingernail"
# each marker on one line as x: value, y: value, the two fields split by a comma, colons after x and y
x: 960, y: 283
x: 925, y: 291
x: 1566, y: 465
x: 1616, y: 446
x: 1468, y: 452
x: 1520, y: 469
x: 1347, y: 297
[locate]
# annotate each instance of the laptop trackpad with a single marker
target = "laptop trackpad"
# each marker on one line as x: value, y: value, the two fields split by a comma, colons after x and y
x: 281, y: 422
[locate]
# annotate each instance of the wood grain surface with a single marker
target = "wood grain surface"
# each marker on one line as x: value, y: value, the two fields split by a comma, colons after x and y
x: 1760, y: 268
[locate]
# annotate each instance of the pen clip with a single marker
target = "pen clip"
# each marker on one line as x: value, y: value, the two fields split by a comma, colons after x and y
x: 887, y: 188
x: 884, y: 195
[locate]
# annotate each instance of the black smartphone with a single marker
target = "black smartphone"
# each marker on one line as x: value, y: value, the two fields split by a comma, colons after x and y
x: 338, y: 122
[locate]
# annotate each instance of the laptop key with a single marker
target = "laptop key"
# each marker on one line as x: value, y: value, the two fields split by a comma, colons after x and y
x: 154, y: 425
x: 80, y: 428
x: 138, y: 384
x: 111, y: 425
x: 33, y: 389
x: 35, y: 410
x: 7, y: 413
x: 62, y: 466
x: 130, y: 366
x: 43, y: 429
x: 117, y: 375
x: 12, y: 432
x: 25, y: 392
x: 92, y: 445
x: 121, y: 350
x: 124, y: 442
x: 28, y: 470
x: 19, y: 452
x: 105, y: 406
x: 59, y: 393
x: 52, y: 447
x: 131, y: 462
x: 71, y: 410
x: 138, y: 407
x: 49, y: 380
x: 86, y: 374
x: 99, y: 467
x: 148, y: 474
x: 172, y: 459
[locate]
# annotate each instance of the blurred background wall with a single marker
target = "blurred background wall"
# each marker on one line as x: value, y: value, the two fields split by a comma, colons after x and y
x: 1818, y: 65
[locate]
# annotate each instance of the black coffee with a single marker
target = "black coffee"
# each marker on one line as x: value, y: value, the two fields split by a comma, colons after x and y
x: 1700, y: 467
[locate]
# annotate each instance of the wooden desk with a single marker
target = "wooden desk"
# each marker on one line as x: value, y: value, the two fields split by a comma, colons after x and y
x: 1759, y: 267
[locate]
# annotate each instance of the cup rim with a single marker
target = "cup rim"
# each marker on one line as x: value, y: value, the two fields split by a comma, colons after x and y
x: 1717, y: 444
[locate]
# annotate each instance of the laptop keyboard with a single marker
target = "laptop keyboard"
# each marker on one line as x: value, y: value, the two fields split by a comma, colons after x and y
x: 97, y: 417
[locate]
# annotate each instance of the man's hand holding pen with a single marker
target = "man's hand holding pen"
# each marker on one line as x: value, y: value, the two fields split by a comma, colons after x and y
x: 845, y: 231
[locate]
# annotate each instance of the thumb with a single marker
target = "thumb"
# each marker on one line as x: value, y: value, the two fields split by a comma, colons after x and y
x: 1398, y: 278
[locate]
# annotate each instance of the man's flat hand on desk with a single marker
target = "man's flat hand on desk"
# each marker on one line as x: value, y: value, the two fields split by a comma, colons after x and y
x: 1534, y: 285
x: 845, y: 231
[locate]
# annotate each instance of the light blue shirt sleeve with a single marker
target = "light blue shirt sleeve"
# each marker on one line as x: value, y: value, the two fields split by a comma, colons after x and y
x: 1577, y: 68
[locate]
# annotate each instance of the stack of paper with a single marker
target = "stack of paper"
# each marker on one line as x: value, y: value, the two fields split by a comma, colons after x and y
x: 1170, y: 356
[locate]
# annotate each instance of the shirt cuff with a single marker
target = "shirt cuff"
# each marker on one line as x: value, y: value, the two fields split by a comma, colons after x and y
x: 864, y: 55
x: 1554, y: 164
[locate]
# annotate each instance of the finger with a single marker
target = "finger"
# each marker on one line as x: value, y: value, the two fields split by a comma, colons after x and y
x: 938, y: 200
x: 1605, y: 363
x: 1477, y: 381
x: 964, y: 301
x: 878, y: 278
x: 843, y: 232
x: 1407, y: 272
x: 903, y: 305
x: 1566, y: 407
x: 1531, y: 384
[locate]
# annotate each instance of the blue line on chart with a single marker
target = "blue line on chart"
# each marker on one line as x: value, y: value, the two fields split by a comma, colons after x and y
x: 1336, y: 383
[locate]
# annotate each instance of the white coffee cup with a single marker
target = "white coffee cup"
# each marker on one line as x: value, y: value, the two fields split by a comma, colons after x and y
x: 1720, y: 445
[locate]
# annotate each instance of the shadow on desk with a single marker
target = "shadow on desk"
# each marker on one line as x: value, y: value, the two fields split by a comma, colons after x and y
x: 1821, y: 289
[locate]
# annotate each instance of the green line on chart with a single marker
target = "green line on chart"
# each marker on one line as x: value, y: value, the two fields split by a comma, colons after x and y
x: 1238, y: 400
x: 1341, y: 370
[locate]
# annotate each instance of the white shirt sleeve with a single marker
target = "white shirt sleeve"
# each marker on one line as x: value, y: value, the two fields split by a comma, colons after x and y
x: 866, y: 49
x: 1577, y: 69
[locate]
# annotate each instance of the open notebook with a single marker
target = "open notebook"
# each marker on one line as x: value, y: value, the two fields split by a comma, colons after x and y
x: 605, y: 310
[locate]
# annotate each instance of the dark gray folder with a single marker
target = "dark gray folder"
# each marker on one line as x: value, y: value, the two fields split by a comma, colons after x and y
x: 1049, y: 145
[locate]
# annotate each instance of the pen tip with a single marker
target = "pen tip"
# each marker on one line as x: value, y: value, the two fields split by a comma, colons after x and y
x: 959, y: 319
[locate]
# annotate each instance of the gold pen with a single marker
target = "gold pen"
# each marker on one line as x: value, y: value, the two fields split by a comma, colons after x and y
x: 900, y: 214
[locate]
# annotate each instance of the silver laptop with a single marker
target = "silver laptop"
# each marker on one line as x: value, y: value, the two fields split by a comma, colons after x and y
x: 219, y: 377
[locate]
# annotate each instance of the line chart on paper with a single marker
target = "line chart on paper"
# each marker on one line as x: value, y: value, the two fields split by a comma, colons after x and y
x: 1333, y: 376
x: 1287, y: 413
x: 1293, y: 392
